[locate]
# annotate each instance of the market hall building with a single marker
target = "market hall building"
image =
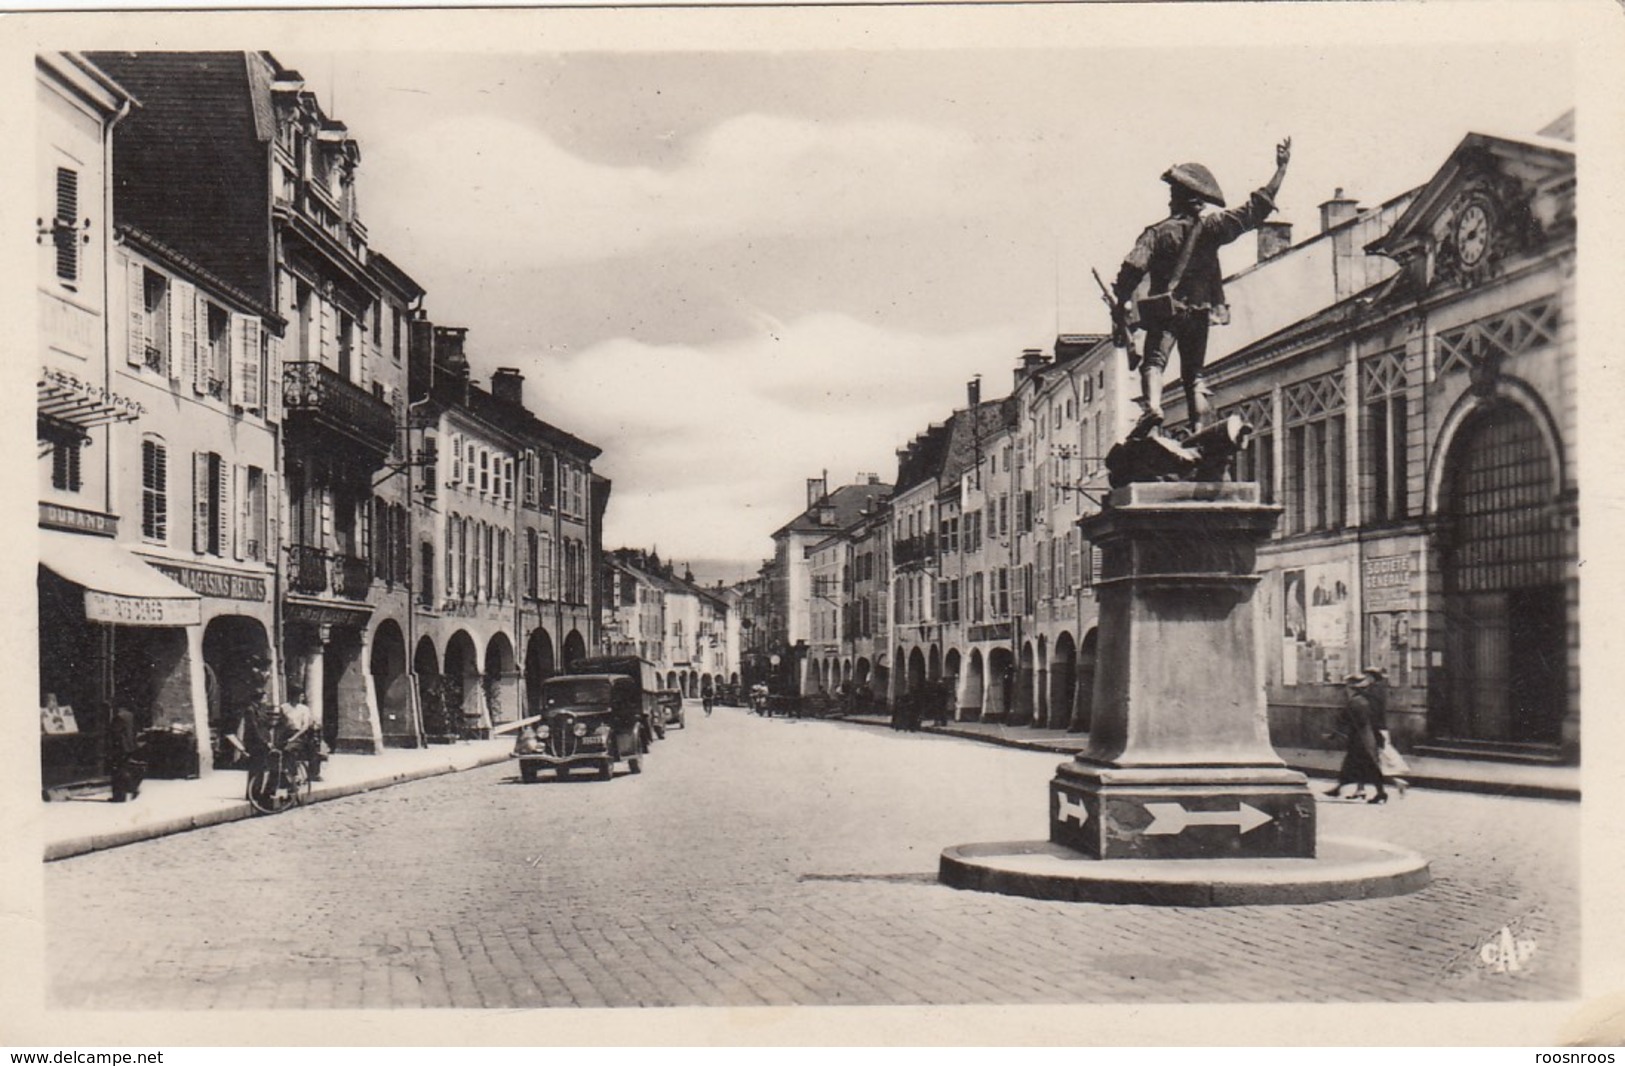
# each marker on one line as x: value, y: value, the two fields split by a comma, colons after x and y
x: 1418, y: 429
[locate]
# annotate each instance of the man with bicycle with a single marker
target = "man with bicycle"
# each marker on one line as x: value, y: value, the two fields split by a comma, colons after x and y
x: 266, y: 728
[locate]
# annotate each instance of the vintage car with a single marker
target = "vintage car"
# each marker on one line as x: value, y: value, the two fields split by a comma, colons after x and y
x: 587, y: 721
x: 671, y: 702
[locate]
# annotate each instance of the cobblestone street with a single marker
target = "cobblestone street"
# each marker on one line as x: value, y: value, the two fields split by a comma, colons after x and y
x: 765, y: 861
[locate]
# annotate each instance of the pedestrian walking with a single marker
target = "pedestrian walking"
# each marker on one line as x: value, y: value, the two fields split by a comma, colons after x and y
x: 706, y: 701
x: 945, y: 701
x: 1389, y: 760
x: 123, y: 768
x: 1360, y: 766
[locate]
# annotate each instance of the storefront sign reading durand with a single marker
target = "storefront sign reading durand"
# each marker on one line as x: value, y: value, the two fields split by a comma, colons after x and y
x: 1386, y: 583
x: 216, y: 583
x: 140, y: 610
x: 56, y: 516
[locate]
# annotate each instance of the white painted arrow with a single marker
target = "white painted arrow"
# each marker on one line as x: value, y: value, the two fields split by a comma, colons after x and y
x: 1072, y: 810
x: 1167, y: 818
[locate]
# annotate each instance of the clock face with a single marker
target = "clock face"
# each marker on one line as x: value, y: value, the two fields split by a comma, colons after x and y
x: 1472, y: 233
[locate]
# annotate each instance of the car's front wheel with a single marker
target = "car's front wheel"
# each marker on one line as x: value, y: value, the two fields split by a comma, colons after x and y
x: 527, y: 773
x: 635, y: 764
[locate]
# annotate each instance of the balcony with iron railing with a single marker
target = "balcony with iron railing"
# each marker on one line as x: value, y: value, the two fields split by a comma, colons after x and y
x: 352, y: 577
x: 317, y: 394
x: 911, y: 551
x: 307, y: 569
x: 313, y: 571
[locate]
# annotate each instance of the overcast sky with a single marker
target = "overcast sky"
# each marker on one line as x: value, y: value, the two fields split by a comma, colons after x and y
x: 734, y: 270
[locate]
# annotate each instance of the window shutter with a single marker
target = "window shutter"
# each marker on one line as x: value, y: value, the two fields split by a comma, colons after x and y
x: 273, y: 378
x: 201, y: 520
x: 183, y: 330
x: 236, y: 359
x: 273, y: 518
x: 456, y: 450
x: 363, y: 354
x: 202, y: 354
x: 328, y: 340
x: 233, y: 515
x: 135, y: 352
x: 246, y: 369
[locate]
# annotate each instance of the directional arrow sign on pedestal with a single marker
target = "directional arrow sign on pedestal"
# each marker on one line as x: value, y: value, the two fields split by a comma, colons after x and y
x: 1167, y: 818
x: 1073, y: 810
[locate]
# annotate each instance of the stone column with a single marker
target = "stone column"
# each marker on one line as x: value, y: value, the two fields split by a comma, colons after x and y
x: 1180, y: 763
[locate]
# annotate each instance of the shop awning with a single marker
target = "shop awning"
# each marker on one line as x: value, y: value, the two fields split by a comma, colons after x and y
x: 119, y: 588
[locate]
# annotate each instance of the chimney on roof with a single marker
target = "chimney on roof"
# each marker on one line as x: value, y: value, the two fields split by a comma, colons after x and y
x: 1031, y: 360
x: 874, y: 479
x: 1337, y: 210
x: 508, y: 386
x: 1273, y: 239
x: 448, y: 349
x: 816, y: 490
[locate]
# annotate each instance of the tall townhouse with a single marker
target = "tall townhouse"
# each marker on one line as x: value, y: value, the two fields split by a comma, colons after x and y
x: 916, y: 634
x: 961, y: 575
x: 827, y: 567
x: 202, y: 469
x: 1418, y: 430
x: 559, y: 536
x: 468, y: 674
x: 99, y: 604
x: 392, y: 629
x: 987, y: 687
x: 232, y: 164
x: 867, y: 623
x: 508, y: 524
x: 695, y: 659
x: 1094, y: 378
x: 1068, y: 418
x: 761, y: 626
x: 634, y: 613
x: 788, y: 581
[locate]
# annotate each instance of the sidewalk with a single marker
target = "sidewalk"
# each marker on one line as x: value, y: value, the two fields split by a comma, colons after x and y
x: 92, y: 822
x: 1460, y: 775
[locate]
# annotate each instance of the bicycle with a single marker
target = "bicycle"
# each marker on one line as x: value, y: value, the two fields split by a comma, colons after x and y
x: 279, y: 782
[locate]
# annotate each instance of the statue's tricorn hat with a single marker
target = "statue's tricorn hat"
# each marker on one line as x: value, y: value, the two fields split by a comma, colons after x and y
x: 1198, y: 179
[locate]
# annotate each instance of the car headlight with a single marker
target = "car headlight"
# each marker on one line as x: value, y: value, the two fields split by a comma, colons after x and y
x: 541, y: 731
x: 581, y: 729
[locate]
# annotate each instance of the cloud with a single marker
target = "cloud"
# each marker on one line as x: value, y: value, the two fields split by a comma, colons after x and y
x: 709, y: 446
x: 497, y: 191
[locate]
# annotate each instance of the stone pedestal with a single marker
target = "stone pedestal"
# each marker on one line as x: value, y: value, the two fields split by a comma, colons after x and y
x: 1180, y: 764
x: 1180, y: 799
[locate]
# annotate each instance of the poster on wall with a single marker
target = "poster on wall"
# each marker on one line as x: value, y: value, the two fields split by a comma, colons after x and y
x: 1316, y: 627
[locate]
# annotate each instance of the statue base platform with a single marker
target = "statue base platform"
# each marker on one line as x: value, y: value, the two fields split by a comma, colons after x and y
x: 1039, y: 869
x: 1182, y: 812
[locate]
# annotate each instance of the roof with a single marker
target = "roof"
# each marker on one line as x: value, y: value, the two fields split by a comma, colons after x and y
x: 1473, y: 148
x: 849, y: 503
x: 196, y: 149
x: 514, y: 420
x: 969, y: 429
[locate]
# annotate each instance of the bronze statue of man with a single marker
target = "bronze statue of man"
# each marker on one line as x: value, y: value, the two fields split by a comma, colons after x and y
x: 1181, y: 256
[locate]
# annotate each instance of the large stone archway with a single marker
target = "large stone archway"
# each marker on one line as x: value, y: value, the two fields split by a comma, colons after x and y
x: 1062, y: 682
x: 500, y: 681
x: 461, y: 687
x: 1083, y: 705
x: 397, y: 721
x: 1503, y: 562
x: 539, y: 666
x: 438, y: 727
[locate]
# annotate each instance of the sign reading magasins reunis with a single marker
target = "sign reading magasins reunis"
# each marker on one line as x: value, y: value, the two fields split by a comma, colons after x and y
x: 215, y: 583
